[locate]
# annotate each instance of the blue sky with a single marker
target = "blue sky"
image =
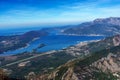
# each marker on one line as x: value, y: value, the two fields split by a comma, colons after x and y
x: 43, y: 12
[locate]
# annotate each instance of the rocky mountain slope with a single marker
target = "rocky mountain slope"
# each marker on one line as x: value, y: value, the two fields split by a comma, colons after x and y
x: 100, y: 65
x: 99, y: 68
x: 107, y: 26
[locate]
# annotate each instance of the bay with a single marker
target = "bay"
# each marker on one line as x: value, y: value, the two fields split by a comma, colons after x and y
x: 53, y: 42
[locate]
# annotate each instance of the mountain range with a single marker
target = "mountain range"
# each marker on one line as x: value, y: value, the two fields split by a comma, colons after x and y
x: 103, y: 26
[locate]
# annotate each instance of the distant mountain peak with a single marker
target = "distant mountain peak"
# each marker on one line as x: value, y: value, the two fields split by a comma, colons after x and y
x: 110, y: 20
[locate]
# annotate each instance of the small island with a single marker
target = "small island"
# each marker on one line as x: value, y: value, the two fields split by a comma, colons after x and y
x: 41, y: 45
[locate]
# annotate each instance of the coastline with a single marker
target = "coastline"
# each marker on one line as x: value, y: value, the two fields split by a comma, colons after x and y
x: 28, y: 44
x: 83, y: 35
x: 53, y: 51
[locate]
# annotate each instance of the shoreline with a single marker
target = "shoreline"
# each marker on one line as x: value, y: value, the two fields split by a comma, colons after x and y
x: 77, y: 43
x: 27, y: 45
x: 82, y: 35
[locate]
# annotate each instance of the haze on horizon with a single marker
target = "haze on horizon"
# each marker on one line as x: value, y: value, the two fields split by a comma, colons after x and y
x: 46, y: 12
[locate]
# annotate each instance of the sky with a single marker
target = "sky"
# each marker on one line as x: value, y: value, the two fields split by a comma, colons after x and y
x: 45, y: 12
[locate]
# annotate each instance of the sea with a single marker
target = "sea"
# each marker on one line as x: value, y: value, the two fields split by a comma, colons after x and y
x: 52, y: 41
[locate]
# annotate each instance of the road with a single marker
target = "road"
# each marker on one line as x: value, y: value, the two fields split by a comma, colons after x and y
x: 26, y: 59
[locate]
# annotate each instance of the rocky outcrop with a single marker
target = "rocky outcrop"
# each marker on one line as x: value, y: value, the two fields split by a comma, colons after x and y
x: 110, y: 63
x: 116, y: 40
x: 70, y: 75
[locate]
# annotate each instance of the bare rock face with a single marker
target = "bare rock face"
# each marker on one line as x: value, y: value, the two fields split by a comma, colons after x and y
x: 116, y: 40
x: 110, y: 63
x: 70, y: 75
x: 31, y: 76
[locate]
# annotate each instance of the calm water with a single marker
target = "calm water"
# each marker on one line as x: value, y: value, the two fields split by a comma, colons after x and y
x: 54, y: 42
